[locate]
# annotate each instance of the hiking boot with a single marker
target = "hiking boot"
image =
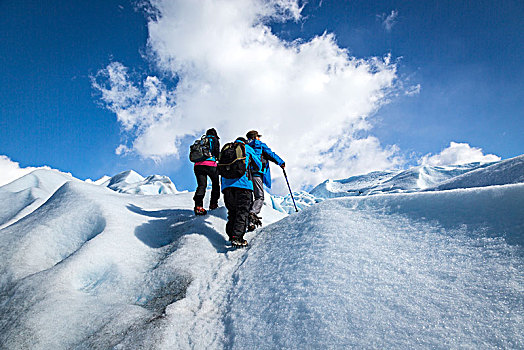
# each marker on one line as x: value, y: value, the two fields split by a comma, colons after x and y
x: 213, y: 206
x: 200, y: 211
x: 254, y: 220
x: 238, y: 242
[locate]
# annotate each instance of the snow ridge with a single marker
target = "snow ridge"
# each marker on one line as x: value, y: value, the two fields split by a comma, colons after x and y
x: 425, y: 177
x: 508, y: 171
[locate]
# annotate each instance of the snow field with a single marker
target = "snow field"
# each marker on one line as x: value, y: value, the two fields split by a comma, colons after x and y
x: 387, y: 272
x: 197, y: 321
x: 86, y: 267
x: 80, y: 271
x: 92, y: 268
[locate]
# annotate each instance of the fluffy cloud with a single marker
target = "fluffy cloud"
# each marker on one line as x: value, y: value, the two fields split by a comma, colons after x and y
x: 143, y: 111
x: 10, y: 171
x: 311, y: 100
x: 458, y: 153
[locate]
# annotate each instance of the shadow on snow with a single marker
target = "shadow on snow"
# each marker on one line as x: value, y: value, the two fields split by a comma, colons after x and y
x: 169, y: 225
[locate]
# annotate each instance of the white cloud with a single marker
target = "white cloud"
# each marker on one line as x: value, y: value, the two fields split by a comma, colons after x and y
x: 388, y: 21
x: 122, y: 150
x: 309, y: 99
x: 10, y: 171
x: 458, y: 153
x: 413, y: 90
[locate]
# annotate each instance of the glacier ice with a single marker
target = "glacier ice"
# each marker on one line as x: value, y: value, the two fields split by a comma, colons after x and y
x: 84, y: 266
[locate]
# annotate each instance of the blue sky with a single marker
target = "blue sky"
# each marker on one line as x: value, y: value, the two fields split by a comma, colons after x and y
x: 466, y: 57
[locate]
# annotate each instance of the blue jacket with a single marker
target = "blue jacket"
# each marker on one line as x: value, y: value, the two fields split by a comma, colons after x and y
x: 244, y: 181
x: 264, y: 153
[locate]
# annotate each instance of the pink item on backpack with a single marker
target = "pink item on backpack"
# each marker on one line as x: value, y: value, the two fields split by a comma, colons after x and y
x: 207, y: 163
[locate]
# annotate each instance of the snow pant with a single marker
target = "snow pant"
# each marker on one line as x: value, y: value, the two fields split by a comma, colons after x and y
x: 238, y: 201
x: 201, y: 173
x: 258, y: 191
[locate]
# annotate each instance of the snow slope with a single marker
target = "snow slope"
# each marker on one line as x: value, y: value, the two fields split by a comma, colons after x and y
x: 25, y: 194
x: 423, y: 270
x: 90, y: 268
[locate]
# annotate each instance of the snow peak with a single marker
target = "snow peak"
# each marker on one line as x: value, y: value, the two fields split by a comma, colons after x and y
x: 232, y: 160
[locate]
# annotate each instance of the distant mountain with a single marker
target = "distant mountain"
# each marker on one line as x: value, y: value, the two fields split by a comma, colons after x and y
x: 425, y: 177
x: 104, y: 180
x: 133, y: 183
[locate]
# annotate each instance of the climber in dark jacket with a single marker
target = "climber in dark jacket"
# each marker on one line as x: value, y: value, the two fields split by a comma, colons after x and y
x: 205, y: 168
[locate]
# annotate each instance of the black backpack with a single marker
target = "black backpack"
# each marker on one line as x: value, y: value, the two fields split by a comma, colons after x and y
x: 232, y: 160
x: 200, y: 150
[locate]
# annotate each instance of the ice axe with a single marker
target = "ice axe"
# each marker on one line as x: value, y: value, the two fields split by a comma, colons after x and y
x: 291, y: 193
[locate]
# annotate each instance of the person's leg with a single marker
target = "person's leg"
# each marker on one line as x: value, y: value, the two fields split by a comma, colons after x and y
x: 201, y: 177
x: 258, y: 190
x: 229, y: 200
x: 256, y: 207
x: 244, y: 199
x: 215, y: 191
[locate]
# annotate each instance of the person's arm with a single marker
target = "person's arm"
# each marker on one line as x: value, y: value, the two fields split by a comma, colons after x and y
x: 216, y: 148
x: 272, y: 156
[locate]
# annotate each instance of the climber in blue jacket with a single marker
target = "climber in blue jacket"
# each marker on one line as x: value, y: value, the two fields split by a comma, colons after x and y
x: 238, y: 197
x: 261, y: 177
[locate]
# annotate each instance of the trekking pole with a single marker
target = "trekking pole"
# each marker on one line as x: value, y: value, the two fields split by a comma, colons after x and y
x: 291, y: 193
